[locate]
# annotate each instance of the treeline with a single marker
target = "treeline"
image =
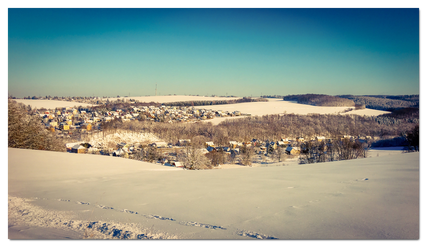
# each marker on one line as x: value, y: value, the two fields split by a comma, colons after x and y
x: 274, y: 127
x: 319, y: 100
x: 125, y: 106
x: 384, y: 102
x: 215, y: 102
x: 345, y: 149
x: 412, y: 98
x: 27, y: 131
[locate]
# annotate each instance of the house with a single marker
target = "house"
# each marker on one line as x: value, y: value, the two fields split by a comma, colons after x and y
x: 272, y: 145
x: 160, y: 144
x: 320, y: 138
x: 234, y: 144
x: 183, y: 142
x: 209, y: 144
x: 282, y: 143
x: 293, y: 150
x: 79, y: 149
x: 178, y: 164
x: 69, y: 146
x: 53, y: 124
x: 86, y: 126
x: 246, y: 144
x: 64, y: 126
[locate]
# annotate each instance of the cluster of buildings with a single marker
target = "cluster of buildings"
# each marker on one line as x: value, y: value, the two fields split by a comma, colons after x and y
x: 69, y: 119
x: 168, y: 152
x: 86, y: 119
x: 180, y: 114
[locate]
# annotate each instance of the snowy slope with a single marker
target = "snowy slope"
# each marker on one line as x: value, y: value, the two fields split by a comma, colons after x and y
x: 50, y: 104
x: 279, y: 106
x: 372, y: 198
x: 111, y: 139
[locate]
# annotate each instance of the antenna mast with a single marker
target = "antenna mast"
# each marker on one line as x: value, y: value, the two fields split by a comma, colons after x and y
x: 156, y: 88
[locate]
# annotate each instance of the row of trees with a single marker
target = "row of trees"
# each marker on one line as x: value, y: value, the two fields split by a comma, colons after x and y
x: 215, y: 102
x: 383, y: 103
x: 319, y: 100
x: 345, y: 149
x: 273, y: 127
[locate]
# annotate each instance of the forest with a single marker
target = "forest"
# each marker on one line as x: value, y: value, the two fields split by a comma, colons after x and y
x: 319, y: 100
x: 275, y: 127
x: 385, y: 102
x: 215, y: 102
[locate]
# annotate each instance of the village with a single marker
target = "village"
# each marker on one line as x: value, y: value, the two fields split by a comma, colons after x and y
x: 79, y: 124
x: 70, y: 120
x: 241, y: 153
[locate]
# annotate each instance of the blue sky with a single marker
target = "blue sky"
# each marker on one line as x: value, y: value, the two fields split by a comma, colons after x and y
x: 243, y: 52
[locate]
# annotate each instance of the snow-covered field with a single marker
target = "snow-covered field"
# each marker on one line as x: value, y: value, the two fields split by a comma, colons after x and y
x: 279, y: 106
x: 110, y: 139
x: 173, y: 98
x: 50, y: 104
x: 55, y: 195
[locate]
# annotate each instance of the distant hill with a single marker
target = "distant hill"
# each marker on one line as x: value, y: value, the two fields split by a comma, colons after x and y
x: 320, y: 100
x: 384, y: 102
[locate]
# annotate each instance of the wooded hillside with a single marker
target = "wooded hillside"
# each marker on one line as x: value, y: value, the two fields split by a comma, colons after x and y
x: 319, y: 100
x: 385, y: 102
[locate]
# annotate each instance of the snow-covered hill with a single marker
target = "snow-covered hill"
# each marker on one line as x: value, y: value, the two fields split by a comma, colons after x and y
x: 100, y: 196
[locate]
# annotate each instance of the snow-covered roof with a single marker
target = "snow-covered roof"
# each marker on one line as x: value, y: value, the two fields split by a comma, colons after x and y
x: 70, y: 145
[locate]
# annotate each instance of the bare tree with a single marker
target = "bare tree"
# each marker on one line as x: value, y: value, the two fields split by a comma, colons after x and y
x: 247, y: 155
x: 279, y: 154
x: 193, y: 158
